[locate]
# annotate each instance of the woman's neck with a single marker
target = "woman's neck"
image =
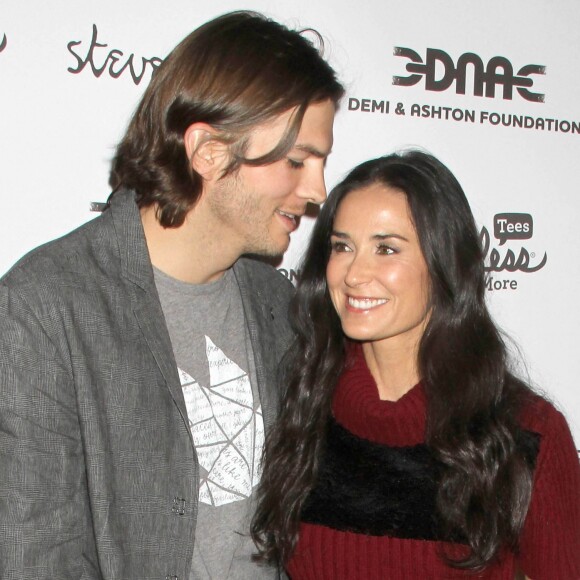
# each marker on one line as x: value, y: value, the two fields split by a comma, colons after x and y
x: 393, y: 367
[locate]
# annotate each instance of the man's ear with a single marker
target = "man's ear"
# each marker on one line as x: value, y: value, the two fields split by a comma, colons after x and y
x: 207, y: 155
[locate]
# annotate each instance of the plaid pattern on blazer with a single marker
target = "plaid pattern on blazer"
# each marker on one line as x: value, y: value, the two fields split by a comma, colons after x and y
x: 98, y: 472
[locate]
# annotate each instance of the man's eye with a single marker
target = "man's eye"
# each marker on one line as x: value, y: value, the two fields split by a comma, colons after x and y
x: 295, y: 164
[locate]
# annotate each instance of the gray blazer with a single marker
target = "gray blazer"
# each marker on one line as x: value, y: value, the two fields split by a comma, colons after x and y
x: 98, y: 471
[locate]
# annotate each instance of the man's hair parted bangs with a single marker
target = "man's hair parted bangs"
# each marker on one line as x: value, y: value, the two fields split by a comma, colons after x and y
x: 233, y: 73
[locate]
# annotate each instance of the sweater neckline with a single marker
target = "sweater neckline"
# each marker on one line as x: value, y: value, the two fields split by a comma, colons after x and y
x: 358, y: 407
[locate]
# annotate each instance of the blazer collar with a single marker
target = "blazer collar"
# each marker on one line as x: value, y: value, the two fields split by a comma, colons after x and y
x: 133, y: 252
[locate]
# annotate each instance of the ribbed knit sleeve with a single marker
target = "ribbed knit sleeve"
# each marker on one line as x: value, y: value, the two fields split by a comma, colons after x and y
x: 550, y: 543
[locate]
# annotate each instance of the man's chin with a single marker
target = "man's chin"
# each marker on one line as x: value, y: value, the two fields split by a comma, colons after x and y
x: 272, y: 253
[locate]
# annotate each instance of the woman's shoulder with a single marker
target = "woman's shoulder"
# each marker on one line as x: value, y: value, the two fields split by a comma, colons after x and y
x: 556, y: 450
x: 541, y: 416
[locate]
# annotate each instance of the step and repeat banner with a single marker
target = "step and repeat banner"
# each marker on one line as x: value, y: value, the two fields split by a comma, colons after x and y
x: 491, y: 88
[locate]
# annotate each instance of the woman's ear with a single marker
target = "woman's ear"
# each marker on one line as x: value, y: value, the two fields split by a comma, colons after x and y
x: 207, y: 155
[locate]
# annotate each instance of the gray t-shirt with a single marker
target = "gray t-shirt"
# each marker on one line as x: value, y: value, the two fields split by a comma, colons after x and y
x: 216, y: 366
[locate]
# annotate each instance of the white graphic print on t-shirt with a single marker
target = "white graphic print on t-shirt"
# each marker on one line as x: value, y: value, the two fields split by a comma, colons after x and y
x: 228, y: 433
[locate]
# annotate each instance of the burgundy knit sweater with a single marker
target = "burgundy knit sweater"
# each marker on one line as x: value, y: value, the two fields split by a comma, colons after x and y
x: 392, y: 533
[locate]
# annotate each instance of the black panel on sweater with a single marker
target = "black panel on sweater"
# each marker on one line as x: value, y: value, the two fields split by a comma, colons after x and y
x: 373, y: 489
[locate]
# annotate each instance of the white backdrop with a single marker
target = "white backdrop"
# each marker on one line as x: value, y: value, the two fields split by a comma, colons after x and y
x: 72, y: 72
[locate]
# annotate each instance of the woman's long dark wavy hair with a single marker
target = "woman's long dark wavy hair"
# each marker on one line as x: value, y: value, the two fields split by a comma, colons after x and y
x: 473, y: 398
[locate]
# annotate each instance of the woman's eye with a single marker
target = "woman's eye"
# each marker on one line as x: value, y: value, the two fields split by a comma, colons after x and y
x: 386, y: 250
x: 339, y: 247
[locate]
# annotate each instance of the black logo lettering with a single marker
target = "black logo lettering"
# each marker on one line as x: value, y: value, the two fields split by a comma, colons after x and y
x: 498, y: 72
x: 115, y: 61
x: 496, y: 262
x: 291, y: 274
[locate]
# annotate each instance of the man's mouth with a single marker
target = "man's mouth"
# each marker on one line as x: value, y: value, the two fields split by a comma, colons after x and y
x: 290, y: 219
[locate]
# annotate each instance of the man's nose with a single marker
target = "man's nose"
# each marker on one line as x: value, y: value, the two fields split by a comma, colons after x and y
x: 313, y: 187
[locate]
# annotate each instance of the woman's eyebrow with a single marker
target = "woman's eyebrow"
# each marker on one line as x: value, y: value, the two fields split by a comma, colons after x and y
x: 344, y: 236
x: 387, y: 236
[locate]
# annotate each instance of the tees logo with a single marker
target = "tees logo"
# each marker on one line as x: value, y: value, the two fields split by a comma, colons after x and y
x: 3, y: 43
x: 440, y: 72
x: 113, y: 61
x: 513, y: 226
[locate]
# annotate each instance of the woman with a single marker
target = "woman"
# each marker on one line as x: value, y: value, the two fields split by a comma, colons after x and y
x: 405, y: 447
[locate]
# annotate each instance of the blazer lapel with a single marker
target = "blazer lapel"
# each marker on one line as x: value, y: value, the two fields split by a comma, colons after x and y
x: 137, y: 269
x: 260, y: 322
x: 152, y: 324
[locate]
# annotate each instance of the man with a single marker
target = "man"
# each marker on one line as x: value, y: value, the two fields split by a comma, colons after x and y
x: 138, y: 354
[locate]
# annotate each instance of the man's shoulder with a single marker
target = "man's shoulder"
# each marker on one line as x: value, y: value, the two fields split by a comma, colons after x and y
x: 264, y: 278
x: 74, y: 256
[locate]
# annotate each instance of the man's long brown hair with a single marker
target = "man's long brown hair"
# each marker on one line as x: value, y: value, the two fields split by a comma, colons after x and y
x: 233, y: 73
